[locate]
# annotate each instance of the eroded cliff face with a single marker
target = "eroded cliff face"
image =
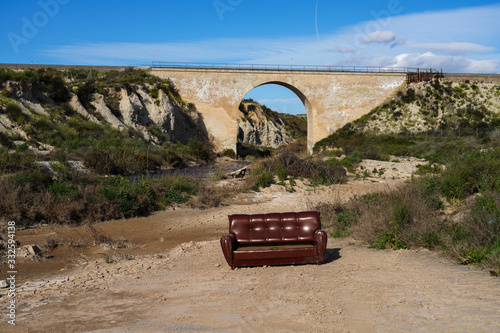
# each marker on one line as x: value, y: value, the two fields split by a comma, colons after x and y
x: 137, y: 109
x: 158, y: 118
x: 263, y: 133
x: 258, y: 127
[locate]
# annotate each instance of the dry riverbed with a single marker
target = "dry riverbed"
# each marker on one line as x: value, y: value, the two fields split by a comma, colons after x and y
x: 166, y: 273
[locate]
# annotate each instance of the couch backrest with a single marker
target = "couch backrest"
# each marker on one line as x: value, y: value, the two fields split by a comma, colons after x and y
x: 274, y: 227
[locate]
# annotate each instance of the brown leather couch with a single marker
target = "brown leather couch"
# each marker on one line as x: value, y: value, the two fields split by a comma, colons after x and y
x: 274, y: 239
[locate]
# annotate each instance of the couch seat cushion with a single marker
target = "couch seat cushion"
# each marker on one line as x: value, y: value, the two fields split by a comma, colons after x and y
x: 274, y: 251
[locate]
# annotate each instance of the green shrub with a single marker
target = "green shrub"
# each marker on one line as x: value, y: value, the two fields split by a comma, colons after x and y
x: 184, y: 184
x: 85, y: 93
x: 199, y: 150
x: 324, y: 176
x: 431, y: 239
x: 350, y: 161
x: 261, y: 179
x: 346, y: 219
x: 22, y: 148
x: 390, y: 239
x: 393, y: 237
x: 430, y: 186
x: 131, y: 199
x: 129, y: 158
x: 13, y: 110
x: 112, y: 101
x: 467, y: 175
x: 428, y: 168
x: 477, y: 239
x: 154, y: 93
x: 410, y: 96
x: 281, y: 172
x: 55, y: 86
x: 176, y: 189
x: 6, y: 141
x: 485, y: 216
x: 15, y: 162
x: 62, y: 190
x: 36, y: 179
x: 173, y: 196
x: 34, y: 195
x: 157, y: 132
x: 229, y: 153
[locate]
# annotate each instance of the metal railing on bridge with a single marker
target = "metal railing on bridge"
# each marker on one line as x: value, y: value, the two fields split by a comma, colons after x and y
x: 416, y: 73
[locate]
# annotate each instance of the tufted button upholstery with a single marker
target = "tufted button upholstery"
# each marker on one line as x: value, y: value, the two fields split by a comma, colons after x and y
x: 274, y: 227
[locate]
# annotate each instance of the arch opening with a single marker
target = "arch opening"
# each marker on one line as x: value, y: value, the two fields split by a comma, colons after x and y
x: 272, y: 114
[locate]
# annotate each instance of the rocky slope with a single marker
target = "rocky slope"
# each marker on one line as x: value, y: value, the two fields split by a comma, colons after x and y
x: 129, y: 100
x: 258, y: 125
x: 436, y: 105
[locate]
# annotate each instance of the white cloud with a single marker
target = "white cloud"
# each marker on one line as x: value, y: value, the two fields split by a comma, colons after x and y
x: 453, y: 48
x: 220, y: 50
x: 382, y: 37
x: 449, y: 64
x: 343, y: 49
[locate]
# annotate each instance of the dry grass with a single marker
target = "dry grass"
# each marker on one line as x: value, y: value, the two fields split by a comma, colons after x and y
x: 401, y: 214
x: 323, y: 173
x: 21, y: 203
x: 495, y: 138
x: 396, y: 219
x: 212, y: 193
x: 329, y: 212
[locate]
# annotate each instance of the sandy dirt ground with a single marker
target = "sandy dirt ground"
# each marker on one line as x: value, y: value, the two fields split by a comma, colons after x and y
x: 169, y: 275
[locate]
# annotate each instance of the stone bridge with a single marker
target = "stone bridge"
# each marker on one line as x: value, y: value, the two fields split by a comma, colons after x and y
x: 331, y: 98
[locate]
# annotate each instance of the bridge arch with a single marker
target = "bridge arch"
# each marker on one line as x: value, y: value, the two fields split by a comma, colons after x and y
x: 303, y: 98
x: 291, y: 87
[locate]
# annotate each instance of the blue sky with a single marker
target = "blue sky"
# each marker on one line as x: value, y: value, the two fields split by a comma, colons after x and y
x: 458, y: 36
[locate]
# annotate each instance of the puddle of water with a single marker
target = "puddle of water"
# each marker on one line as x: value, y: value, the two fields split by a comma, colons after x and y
x: 129, y: 238
x: 197, y: 172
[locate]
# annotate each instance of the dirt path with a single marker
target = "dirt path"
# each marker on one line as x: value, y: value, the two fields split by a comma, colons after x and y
x: 156, y: 285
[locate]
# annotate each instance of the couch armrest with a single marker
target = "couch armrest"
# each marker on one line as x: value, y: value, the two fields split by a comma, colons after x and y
x: 321, y: 238
x: 228, y: 244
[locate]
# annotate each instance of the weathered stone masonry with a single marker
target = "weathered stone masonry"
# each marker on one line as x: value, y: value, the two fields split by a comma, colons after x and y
x: 331, y: 99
